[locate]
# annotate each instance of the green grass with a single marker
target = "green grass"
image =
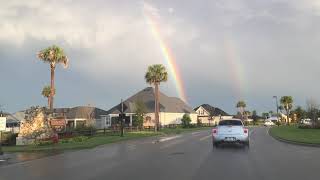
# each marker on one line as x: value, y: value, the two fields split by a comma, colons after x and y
x: 90, y: 143
x: 179, y: 130
x: 97, y: 140
x: 293, y: 133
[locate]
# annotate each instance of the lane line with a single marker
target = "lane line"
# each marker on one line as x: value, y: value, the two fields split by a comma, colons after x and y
x: 205, y: 137
x: 194, y: 133
x: 166, y: 139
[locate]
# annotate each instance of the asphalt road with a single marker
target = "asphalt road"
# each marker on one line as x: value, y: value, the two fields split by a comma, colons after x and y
x: 188, y: 156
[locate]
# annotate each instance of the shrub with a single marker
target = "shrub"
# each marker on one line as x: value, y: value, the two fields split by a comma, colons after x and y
x: 86, y: 130
x: 199, y: 123
x: 186, y: 120
x: 9, y: 138
x: 80, y: 138
x: 74, y: 139
x: 43, y: 143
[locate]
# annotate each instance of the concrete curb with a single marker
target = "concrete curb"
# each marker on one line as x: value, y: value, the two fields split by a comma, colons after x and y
x: 293, y: 142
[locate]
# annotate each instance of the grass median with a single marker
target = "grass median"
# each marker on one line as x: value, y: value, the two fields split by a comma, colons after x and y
x: 97, y: 140
x: 295, y: 134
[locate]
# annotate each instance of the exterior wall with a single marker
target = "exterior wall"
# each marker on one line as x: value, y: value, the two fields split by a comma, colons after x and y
x: 167, y: 118
x: 214, y: 120
x: 202, y: 112
x: 175, y: 118
x: 103, y: 122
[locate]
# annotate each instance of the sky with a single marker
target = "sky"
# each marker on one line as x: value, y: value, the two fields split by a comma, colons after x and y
x: 225, y: 50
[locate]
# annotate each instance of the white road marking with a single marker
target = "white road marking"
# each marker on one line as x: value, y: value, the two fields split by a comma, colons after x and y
x: 194, y: 133
x: 204, y: 138
x: 166, y: 139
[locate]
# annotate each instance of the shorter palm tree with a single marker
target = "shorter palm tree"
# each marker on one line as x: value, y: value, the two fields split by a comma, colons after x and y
x: 46, y: 92
x: 241, y: 105
x: 287, y: 104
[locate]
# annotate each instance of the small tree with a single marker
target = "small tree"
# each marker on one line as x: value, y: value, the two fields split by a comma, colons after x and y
x: 313, y: 111
x: 185, y: 121
x: 300, y: 113
x: 254, y: 116
x: 265, y: 115
x: 140, y: 111
x: 46, y: 92
x: 241, y: 105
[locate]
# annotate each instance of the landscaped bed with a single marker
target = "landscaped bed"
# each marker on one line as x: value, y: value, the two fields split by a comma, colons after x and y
x: 295, y: 134
x: 83, y: 142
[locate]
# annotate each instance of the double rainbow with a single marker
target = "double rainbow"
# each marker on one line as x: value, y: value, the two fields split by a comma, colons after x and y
x: 167, y: 54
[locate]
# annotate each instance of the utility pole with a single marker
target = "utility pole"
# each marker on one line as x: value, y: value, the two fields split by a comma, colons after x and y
x: 1, y: 152
x: 276, y: 97
x: 122, y: 119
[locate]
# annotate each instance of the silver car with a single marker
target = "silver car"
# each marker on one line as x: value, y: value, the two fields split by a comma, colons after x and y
x: 230, y: 131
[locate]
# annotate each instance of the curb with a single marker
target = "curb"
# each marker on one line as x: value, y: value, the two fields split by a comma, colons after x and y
x: 293, y: 142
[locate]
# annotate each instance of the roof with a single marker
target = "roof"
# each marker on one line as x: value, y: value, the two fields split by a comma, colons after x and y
x: 84, y: 112
x: 146, y: 96
x: 214, y: 111
x: 16, y: 117
x: 79, y: 112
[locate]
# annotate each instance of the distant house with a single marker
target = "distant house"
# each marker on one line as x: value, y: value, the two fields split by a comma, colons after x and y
x: 208, y: 114
x: 172, y: 109
x: 13, y: 121
x: 81, y: 116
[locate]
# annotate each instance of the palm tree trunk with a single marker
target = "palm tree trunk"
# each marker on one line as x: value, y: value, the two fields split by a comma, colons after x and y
x: 288, y: 118
x: 157, y: 106
x: 52, y: 67
x: 48, y: 101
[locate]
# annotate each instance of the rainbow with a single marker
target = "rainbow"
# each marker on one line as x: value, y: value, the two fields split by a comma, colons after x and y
x: 236, y: 68
x: 167, y: 53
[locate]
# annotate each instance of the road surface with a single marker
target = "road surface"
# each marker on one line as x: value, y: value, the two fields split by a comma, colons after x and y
x: 187, y: 156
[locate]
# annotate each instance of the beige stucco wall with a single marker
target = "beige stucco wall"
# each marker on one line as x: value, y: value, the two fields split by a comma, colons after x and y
x: 169, y: 118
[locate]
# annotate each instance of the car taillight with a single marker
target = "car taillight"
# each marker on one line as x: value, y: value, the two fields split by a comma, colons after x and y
x: 245, y: 131
x: 214, y: 131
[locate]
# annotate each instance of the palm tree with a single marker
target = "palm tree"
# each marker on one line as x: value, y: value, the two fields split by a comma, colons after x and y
x: 156, y: 74
x: 241, y: 105
x: 53, y: 55
x: 287, y: 103
x: 46, y: 92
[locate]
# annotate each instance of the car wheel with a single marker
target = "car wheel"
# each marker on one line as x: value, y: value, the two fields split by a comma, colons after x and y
x: 247, y: 144
x: 214, y: 145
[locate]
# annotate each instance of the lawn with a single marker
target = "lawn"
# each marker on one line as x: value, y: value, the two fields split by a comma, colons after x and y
x: 90, y: 143
x: 97, y: 140
x: 293, y: 133
x: 179, y: 130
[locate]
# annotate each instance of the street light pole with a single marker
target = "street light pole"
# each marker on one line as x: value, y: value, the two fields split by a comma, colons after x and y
x: 276, y: 97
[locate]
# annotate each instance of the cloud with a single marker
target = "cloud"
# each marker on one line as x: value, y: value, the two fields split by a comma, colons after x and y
x: 110, y: 45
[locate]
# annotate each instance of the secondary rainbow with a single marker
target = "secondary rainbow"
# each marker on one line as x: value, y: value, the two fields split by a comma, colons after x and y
x: 168, y: 55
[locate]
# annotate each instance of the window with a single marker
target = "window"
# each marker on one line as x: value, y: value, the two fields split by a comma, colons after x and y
x: 230, y: 123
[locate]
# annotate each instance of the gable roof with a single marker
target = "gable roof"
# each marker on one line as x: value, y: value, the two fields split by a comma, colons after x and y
x: 214, y: 111
x: 84, y: 112
x: 146, y: 96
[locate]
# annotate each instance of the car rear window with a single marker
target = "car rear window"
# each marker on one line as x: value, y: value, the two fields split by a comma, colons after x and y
x: 230, y: 123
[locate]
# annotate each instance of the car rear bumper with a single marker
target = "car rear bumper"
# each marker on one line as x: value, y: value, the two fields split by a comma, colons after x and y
x: 230, y: 139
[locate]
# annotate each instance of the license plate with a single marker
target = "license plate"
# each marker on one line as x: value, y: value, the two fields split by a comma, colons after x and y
x: 230, y: 139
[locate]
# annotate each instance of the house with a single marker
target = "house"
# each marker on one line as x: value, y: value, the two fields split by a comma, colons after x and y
x: 171, y: 112
x: 208, y: 114
x: 13, y: 121
x: 80, y: 116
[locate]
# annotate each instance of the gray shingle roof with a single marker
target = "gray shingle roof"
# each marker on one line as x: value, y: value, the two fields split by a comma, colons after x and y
x: 85, y: 112
x: 146, y: 96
